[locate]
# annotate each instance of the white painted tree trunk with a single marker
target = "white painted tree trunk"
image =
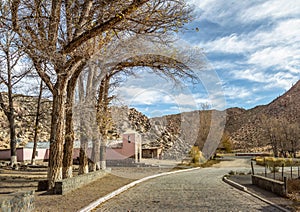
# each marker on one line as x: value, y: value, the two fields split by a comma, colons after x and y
x: 13, y: 160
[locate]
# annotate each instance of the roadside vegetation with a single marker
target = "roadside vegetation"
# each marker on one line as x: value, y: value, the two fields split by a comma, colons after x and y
x: 196, y: 159
x: 277, y: 162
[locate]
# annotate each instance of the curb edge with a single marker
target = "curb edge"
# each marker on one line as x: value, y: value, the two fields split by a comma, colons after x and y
x: 243, y: 188
x: 94, y: 204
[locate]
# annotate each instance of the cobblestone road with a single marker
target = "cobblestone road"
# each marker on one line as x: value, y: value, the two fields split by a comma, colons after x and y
x: 199, y: 190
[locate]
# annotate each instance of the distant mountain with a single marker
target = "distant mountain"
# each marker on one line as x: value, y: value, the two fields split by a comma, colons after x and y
x: 287, y: 105
x: 174, y: 133
x: 245, y: 127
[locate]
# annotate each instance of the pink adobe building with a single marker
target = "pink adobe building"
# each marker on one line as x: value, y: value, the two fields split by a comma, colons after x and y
x: 129, y: 147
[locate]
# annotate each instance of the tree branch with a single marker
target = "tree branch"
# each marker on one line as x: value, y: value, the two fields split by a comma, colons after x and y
x: 88, y: 34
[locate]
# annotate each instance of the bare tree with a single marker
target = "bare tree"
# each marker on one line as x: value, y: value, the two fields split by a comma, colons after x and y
x: 271, y: 126
x: 282, y: 134
x: 294, y: 139
x: 289, y: 137
x: 60, y: 31
x: 11, y: 74
x: 205, y: 124
x: 36, y: 124
x: 170, y: 68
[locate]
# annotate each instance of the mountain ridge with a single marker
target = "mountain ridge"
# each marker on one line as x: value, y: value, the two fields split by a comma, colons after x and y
x: 176, y: 133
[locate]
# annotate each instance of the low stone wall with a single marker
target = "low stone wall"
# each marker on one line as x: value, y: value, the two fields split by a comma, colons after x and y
x: 66, y: 185
x: 268, y: 184
x: 20, y: 201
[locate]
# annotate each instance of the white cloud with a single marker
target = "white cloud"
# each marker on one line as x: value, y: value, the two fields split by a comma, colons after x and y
x: 232, y: 11
x: 228, y: 44
x: 234, y: 92
x: 134, y: 95
x: 249, y: 74
x: 285, y: 34
x: 273, y: 9
x: 279, y: 79
x: 261, y: 44
x: 138, y: 95
x: 266, y: 50
x: 222, y: 12
x: 273, y: 56
x: 256, y: 42
x: 280, y: 47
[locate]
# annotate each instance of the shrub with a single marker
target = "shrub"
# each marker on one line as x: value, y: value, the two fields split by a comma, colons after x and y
x: 195, y: 154
x: 232, y: 172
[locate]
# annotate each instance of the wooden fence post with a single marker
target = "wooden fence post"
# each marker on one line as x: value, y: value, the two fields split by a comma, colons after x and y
x: 285, y: 185
x: 265, y: 170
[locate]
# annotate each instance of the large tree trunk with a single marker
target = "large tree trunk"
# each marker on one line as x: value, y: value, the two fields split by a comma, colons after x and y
x: 13, y: 142
x: 103, y: 152
x: 9, y: 112
x: 36, y: 125
x: 69, y: 133
x: 12, y: 128
x: 83, y: 155
x: 56, y: 135
x: 103, y: 118
x: 69, y: 141
x: 11, y: 120
x: 95, y: 155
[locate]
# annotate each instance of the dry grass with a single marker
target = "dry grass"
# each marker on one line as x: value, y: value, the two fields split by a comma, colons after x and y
x: 271, y: 161
x: 207, y: 164
x: 294, y: 189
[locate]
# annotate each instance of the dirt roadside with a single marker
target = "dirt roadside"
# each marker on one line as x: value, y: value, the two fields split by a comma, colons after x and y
x: 16, y: 181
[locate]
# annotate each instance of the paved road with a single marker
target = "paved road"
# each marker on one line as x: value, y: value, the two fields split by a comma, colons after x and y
x: 199, y: 190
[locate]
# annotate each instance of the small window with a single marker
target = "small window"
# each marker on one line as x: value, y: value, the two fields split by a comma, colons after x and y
x: 129, y: 139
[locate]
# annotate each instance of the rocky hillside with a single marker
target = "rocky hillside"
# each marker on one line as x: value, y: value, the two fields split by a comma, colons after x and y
x: 157, y: 132
x: 25, y: 111
x: 246, y: 128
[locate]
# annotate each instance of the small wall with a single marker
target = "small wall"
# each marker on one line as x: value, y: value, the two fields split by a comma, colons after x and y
x: 76, y: 152
x: 5, y: 154
x: 268, y: 184
x: 21, y: 201
x: 152, y: 153
x: 66, y: 185
x: 40, y: 155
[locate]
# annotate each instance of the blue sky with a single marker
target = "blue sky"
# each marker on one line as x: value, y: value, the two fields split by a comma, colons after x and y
x: 253, y: 53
